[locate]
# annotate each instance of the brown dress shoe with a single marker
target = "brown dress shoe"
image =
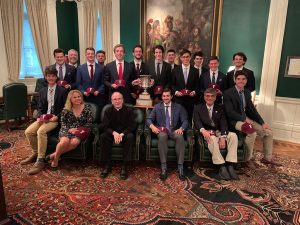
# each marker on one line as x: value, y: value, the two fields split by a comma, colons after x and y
x: 251, y: 164
x: 270, y: 162
x: 30, y: 159
x: 37, y: 167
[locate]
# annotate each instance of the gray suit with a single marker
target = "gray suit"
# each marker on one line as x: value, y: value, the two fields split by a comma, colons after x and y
x: 178, y: 120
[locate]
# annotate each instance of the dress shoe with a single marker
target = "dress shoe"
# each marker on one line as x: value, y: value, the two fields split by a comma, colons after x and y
x: 223, y: 173
x: 106, y: 171
x: 232, y: 173
x: 37, y: 167
x: 30, y: 159
x: 251, y: 164
x: 163, y: 175
x: 124, y: 173
x: 181, y: 175
x: 270, y: 162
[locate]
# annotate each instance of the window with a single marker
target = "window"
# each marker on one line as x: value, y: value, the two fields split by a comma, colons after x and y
x: 29, y: 62
x: 98, y: 35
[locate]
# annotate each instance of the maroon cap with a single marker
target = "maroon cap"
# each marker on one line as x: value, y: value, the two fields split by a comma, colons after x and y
x: 185, y: 91
x: 214, y: 86
x: 212, y: 132
x: 82, y: 133
x: 163, y: 129
x: 46, y: 117
x: 247, y: 128
x: 158, y: 90
x: 90, y: 90
x: 62, y: 83
x: 120, y: 83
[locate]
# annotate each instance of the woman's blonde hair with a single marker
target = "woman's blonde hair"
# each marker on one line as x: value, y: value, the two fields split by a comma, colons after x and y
x: 68, y: 105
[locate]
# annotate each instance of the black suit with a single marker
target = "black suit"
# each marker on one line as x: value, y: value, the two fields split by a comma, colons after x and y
x: 250, y: 80
x: 70, y: 75
x: 121, y: 121
x: 202, y: 119
x: 165, y: 74
x: 232, y: 105
x: 143, y: 69
x: 205, y: 81
x: 60, y: 97
x: 203, y: 70
x: 111, y: 75
x: 178, y: 83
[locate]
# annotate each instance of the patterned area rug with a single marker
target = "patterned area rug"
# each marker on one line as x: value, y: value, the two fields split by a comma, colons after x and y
x: 74, y: 194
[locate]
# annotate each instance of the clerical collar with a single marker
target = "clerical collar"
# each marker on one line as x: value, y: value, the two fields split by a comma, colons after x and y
x: 118, y: 108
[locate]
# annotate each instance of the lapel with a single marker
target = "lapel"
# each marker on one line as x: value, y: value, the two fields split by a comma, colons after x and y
x: 86, y: 71
x: 114, y: 70
x: 237, y: 97
x: 181, y: 76
x: 220, y: 79
x: 162, y: 108
x: 125, y: 71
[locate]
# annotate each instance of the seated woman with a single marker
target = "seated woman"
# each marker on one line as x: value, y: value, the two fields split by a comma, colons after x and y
x: 75, y: 116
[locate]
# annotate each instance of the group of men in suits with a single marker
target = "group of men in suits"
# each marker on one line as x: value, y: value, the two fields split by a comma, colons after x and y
x: 188, y: 83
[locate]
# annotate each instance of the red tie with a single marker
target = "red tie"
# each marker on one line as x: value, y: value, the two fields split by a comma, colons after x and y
x: 120, y: 71
x: 92, y: 71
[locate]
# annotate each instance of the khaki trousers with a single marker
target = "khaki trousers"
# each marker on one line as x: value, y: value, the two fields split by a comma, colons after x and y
x: 36, y: 135
x: 266, y: 135
x: 232, y: 144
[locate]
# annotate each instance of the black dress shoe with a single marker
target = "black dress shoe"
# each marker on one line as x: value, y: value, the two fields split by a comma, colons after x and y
x: 105, y: 172
x: 124, y: 173
x: 181, y: 177
x: 163, y: 175
x: 223, y: 173
x: 232, y: 173
x: 47, y: 158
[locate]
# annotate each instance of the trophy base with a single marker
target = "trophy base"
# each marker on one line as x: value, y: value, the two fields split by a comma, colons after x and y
x: 144, y: 100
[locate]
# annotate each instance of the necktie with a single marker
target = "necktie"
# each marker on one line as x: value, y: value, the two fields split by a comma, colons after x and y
x: 92, y: 71
x: 138, y: 70
x: 51, y: 98
x: 168, y: 122
x: 185, y: 74
x: 213, y: 80
x: 158, y: 69
x: 242, y: 100
x: 120, y: 71
x: 210, y: 110
x: 60, y: 73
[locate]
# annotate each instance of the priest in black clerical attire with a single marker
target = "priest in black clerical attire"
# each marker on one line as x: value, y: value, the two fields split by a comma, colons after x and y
x: 119, y: 126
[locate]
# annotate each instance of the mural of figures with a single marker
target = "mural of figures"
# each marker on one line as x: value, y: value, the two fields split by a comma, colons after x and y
x: 180, y: 24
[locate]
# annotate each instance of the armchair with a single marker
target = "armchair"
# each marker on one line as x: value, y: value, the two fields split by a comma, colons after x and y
x: 14, y: 102
x: 117, y: 150
x: 204, y: 154
x: 83, y: 151
x: 152, y: 145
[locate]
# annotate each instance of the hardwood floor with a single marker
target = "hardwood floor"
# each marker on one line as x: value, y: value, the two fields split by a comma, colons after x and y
x: 282, y: 148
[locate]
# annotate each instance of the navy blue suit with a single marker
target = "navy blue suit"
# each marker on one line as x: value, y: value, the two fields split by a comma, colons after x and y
x: 178, y: 116
x: 84, y: 81
x: 205, y: 81
x: 60, y: 97
x: 111, y: 75
x: 70, y: 75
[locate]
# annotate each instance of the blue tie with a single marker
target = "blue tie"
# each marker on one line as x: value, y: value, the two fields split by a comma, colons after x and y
x: 168, y: 124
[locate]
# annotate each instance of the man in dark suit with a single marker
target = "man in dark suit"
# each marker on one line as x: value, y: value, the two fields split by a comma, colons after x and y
x: 241, y: 112
x: 171, y: 55
x: 120, y: 71
x: 198, y: 63
x: 160, y: 72
x: 66, y: 72
x: 185, y: 81
x: 51, y: 101
x: 239, y: 60
x: 210, y: 120
x: 213, y: 76
x: 140, y: 68
x: 118, y: 125
x: 168, y: 120
x: 90, y: 79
